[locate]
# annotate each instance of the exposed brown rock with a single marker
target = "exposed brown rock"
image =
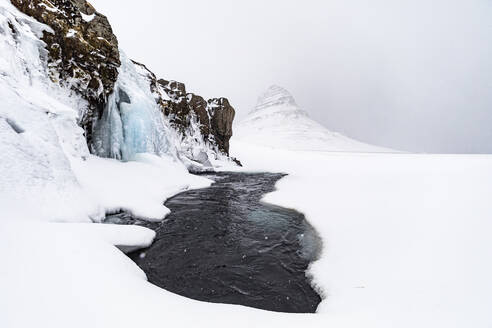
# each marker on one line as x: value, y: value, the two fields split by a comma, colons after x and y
x: 177, y: 109
x: 199, y: 106
x: 215, y: 115
x: 82, y: 52
x: 221, y: 118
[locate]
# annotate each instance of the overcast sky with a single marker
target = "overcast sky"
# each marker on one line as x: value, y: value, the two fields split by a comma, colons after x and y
x: 414, y: 75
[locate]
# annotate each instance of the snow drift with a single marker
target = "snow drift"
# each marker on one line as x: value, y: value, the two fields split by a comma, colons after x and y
x: 38, y: 129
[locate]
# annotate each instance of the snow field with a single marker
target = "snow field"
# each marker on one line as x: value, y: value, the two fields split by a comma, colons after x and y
x: 406, y: 236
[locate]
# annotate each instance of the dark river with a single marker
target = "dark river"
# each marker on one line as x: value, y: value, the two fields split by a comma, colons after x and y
x: 221, y: 244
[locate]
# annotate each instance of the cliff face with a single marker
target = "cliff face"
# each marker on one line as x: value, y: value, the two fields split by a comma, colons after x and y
x: 82, y: 50
x: 221, y: 118
x: 215, y: 116
x: 199, y: 106
x: 83, y: 55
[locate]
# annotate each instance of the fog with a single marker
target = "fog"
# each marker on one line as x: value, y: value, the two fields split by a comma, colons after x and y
x: 413, y: 75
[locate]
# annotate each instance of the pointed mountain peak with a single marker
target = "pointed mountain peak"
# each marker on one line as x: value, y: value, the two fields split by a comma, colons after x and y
x: 274, y: 96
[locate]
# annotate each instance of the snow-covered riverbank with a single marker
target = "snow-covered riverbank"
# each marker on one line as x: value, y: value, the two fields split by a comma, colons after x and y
x: 406, y: 243
x: 406, y: 236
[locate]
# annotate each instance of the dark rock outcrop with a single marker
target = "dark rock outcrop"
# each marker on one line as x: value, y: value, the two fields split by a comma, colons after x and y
x: 177, y: 109
x: 82, y: 52
x: 214, y: 116
x: 199, y: 106
x: 221, y: 117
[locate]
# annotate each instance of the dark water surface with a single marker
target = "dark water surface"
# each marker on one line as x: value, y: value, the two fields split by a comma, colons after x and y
x: 221, y: 244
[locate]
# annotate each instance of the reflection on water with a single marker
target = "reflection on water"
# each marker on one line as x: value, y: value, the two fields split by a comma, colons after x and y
x: 221, y: 244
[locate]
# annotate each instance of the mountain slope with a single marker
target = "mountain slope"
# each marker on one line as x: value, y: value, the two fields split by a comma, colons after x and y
x: 277, y: 121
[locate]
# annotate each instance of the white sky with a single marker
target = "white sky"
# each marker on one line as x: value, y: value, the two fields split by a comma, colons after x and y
x: 410, y: 74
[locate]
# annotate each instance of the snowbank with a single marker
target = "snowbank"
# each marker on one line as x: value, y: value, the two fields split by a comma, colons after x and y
x: 140, y: 186
x: 72, y: 275
x: 38, y: 130
x: 407, y: 243
x: 406, y: 237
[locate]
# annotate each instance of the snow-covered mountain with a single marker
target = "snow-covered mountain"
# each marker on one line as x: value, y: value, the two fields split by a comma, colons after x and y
x: 277, y: 121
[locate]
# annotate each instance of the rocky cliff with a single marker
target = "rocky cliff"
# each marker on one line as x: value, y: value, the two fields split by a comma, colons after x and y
x: 83, y: 55
x: 221, y: 117
x: 215, y: 116
x: 82, y: 50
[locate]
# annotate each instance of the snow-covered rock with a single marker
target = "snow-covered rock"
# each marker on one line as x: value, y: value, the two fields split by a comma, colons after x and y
x: 278, y: 122
x: 46, y: 170
x: 82, y: 51
x: 83, y: 55
x: 214, y: 116
x: 39, y: 134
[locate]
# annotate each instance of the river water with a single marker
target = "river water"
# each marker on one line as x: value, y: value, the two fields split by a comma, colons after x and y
x: 222, y: 244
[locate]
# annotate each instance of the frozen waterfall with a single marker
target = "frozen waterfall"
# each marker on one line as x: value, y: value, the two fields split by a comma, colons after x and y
x: 132, y: 122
